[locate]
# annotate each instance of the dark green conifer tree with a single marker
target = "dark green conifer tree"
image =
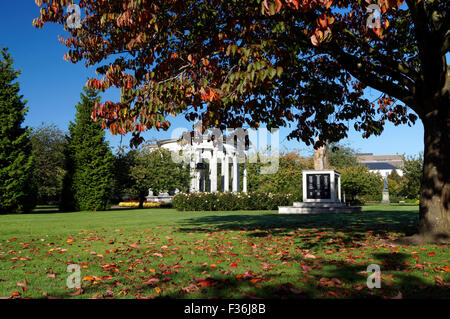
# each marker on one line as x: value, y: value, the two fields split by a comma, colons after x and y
x: 16, y: 161
x: 89, y: 161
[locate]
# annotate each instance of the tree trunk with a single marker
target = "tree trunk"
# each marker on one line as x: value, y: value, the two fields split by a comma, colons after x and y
x: 141, y: 200
x: 434, y: 213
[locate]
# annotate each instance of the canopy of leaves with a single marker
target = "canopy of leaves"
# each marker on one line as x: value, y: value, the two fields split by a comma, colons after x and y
x: 340, y: 156
x: 357, y: 180
x: 286, y: 180
x: 154, y: 168
x: 412, y: 172
x: 303, y: 64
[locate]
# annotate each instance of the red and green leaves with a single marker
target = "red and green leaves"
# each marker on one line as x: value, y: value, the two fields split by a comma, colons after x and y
x: 232, y: 64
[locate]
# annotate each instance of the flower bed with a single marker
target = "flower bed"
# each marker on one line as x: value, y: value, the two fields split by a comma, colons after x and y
x: 135, y: 204
x: 231, y: 201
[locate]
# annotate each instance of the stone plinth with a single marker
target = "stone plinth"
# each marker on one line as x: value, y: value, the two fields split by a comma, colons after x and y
x: 321, y: 194
x: 318, y: 208
x: 164, y: 197
x: 385, y: 198
x: 320, y: 186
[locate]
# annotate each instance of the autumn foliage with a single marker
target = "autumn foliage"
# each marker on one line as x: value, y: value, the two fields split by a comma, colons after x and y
x: 227, y: 63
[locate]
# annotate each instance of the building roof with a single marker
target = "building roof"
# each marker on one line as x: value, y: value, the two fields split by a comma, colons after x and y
x: 379, y: 166
x: 394, y: 160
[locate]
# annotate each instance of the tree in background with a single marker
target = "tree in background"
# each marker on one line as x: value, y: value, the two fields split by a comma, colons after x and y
x: 89, y: 179
x: 412, y: 173
x: 123, y: 181
x: 287, y: 180
x: 341, y: 156
x: 395, y: 184
x: 48, y: 153
x: 358, y: 180
x: 155, y: 169
x: 16, y: 160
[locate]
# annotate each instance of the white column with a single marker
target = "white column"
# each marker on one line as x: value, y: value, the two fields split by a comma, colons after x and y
x: 226, y: 174
x: 198, y: 175
x: 235, y: 175
x: 333, y: 186
x: 244, y: 179
x: 213, y: 172
x: 339, y: 188
x: 202, y: 181
x: 193, y: 184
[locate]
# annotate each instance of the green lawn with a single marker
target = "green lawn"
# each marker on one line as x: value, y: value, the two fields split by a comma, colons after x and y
x: 164, y: 253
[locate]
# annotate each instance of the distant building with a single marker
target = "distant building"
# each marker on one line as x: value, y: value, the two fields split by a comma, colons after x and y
x: 382, y: 164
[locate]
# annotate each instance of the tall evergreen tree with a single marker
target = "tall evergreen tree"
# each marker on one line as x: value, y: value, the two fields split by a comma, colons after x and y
x: 16, y: 161
x: 48, y: 155
x: 89, y: 161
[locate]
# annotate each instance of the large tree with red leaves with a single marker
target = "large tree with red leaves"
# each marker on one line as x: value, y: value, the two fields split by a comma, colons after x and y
x: 303, y: 64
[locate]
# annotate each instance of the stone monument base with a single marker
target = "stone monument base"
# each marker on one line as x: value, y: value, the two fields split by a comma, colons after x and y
x: 385, y: 199
x: 161, y: 198
x: 318, y: 208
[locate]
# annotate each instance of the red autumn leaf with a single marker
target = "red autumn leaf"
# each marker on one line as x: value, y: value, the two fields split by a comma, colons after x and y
x: 337, y: 281
x: 445, y: 268
x: 151, y: 281
x: 439, y: 281
x: 76, y: 293
x: 306, y: 268
x: 50, y: 297
x: 296, y: 291
x: 14, y: 295
x: 205, y: 283
x: 255, y: 280
x: 333, y: 294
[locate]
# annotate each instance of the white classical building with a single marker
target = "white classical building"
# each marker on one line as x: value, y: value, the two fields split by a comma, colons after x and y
x: 205, y: 157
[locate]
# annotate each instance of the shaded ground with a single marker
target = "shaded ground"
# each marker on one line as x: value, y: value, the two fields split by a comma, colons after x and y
x: 157, y: 253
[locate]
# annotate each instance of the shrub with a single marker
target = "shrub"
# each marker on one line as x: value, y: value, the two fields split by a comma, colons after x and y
x: 357, y: 181
x: 231, y: 201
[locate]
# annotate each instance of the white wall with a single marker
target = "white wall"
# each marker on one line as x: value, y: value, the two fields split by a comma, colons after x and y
x: 386, y: 172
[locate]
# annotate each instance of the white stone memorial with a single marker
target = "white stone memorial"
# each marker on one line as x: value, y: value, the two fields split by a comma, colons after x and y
x: 204, y: 157
x: 321, y: 190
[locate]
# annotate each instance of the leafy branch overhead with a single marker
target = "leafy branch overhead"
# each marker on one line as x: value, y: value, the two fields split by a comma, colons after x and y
x: 241, y: 63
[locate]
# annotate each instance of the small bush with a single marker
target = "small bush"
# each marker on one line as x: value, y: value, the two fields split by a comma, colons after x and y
x: 231, y: 201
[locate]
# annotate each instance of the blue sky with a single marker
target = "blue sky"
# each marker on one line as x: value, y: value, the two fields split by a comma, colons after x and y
x: 52, y: 87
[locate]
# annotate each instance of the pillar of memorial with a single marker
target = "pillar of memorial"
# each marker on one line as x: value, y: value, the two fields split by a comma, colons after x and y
x: 213, y: 171
x: 244, y: 179
x: 235, y: 172
x: 226, y: 174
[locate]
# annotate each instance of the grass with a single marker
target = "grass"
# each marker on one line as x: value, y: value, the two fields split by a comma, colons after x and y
x: 155, y: 253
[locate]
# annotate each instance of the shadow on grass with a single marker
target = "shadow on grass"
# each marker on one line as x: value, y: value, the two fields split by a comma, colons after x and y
x: 337, y: 279
x: 379, y: 222
x: 41, y: 210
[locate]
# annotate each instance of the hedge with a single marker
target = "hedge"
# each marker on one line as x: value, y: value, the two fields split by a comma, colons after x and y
x: 231, y: 201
